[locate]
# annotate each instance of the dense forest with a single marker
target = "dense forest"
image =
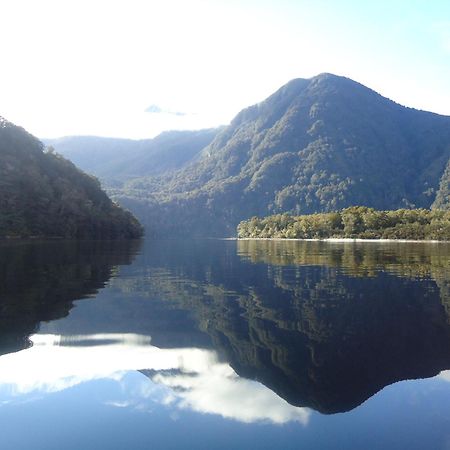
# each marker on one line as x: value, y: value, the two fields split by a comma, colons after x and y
x: 353, y: 222
x: 443, y: 196
x: 44, y: 195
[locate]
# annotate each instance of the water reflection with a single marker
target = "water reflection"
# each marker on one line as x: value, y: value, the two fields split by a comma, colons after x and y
x: 321, y: 325
x: 195, y: 378
x: 40, y: 280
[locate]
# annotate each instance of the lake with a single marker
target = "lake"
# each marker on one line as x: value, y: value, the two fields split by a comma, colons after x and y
x: 223, y: 344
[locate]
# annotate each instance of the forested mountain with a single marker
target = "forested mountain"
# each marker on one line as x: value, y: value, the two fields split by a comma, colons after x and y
x: 115, y: 160
x: 315, y: 145
x: 43, y: 194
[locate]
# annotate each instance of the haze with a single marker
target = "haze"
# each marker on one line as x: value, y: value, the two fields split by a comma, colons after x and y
x: 135, y: 68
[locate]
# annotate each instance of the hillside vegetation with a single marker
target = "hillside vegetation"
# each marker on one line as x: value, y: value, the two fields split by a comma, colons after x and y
x: 354, y: 222
x: 45, y: 195
x: 315, y: 145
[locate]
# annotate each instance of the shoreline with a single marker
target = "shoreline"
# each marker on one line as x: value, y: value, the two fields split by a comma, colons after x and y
x: 345, y: 240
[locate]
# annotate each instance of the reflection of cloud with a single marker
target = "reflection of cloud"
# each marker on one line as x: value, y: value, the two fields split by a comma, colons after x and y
x: 445, y: 375
x: 119, y: 404
x: 156, y: 109
x: 221, y: 391
x: 186, y: 378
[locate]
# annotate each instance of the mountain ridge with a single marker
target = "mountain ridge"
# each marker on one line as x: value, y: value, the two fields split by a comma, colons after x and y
x: 115, y: 160
x: 315, y: 145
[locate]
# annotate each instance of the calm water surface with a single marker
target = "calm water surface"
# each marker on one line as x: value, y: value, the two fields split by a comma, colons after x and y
x: 212, y: 344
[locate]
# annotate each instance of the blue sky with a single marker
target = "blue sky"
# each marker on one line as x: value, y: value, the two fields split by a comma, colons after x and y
x: 95, y: 67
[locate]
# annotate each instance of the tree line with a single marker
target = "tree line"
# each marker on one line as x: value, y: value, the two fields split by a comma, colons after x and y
x: 354, y: 222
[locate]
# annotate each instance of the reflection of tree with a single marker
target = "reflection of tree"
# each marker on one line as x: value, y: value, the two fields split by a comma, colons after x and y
x: 418, y: 260
x: 39, y: 281
x: 354, y: 258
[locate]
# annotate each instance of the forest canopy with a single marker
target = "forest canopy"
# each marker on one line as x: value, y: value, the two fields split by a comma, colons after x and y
x: 353, y: 222
x: 44, y: 195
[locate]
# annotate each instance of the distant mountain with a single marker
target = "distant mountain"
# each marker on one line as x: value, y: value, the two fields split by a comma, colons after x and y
x: 315, y: 145
x: 120, y: 159
x: 43, y: 194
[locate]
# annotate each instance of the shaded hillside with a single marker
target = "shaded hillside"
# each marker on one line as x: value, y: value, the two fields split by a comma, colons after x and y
x: 115, y: 160
x: 43, y: 194
x: 443, y: 196
x: 315, y: 145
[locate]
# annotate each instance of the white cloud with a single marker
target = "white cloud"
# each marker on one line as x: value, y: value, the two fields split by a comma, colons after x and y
x: 445, y: 375
x: 220, y: 391
x: 185, y: 378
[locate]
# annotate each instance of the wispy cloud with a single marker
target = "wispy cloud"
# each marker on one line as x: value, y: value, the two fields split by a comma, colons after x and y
x: 156, y: 109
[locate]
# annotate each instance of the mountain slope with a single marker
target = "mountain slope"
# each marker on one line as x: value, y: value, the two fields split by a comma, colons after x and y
x: 114, y: 159
x: 315, y: 145
x: 443, y: 195
x: 43, y: 194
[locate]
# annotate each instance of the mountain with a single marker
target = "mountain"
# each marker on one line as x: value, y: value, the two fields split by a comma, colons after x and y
x: 315, y: 145
x: 43, y: 194
x: 115, y: 160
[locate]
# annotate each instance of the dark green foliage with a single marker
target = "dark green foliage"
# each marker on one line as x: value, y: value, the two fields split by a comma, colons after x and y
x: 43, y: 194
x: 354, y: 222
x: 315, y: 145
x: 443, y: 196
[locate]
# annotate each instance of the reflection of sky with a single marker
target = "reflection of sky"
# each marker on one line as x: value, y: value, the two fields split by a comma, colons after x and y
x: 186, y: 378
x: 445, y: 375
x: 85, y: 392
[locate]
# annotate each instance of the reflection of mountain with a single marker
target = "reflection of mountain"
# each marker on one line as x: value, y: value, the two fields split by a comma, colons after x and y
x: 312, y: 332
x: 323, y: 325
x: 40, y: 280
x: 337, y: 341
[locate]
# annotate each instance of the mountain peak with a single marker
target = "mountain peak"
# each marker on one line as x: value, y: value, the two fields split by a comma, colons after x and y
x: 315, y: 145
